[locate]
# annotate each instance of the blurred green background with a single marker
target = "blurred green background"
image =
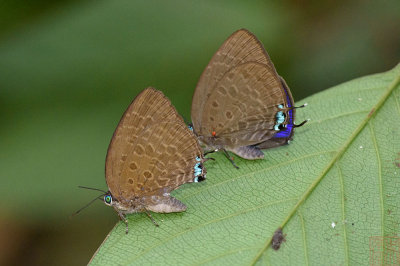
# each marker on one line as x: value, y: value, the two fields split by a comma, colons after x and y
x: 68, y: 70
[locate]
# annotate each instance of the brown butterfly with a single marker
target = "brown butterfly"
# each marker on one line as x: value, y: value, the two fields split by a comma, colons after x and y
x: 152, y: 152
x: 241, y: 104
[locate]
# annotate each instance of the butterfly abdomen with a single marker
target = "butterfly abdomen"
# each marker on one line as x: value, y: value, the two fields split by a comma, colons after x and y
x: 248, y: 152
x: 165, y: 204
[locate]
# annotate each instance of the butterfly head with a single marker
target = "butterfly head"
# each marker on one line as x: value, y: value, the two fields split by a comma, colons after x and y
x: 108, y: 199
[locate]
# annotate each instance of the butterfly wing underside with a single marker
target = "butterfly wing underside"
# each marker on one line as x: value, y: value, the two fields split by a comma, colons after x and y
x: 283, y: 136
x: 242, y: 46
x: 152, y: 151
x: 242, y: 107
x: 238, y: 93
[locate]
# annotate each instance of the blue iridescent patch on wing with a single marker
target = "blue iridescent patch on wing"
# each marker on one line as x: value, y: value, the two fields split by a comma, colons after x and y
x: 287, y: 131
x: 190, y: 127
x: 280, y: 118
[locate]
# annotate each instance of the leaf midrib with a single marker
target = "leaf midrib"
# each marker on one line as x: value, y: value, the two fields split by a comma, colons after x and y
x: 335, y: 159
x: 371, y: 127
x: 346, y: 245
x: 199, y: 191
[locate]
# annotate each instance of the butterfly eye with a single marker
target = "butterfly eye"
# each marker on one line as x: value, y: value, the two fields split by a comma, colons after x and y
x: 108, y: 200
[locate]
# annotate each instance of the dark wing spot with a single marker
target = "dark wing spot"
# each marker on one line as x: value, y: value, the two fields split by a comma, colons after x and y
x: 130, y: 180
x: 211, y: 118
x: 149, y: 149
x: 133, y: 166
x: 222, y: 90
x: 242, y: 124
x: 233, y: 91
x: 171, y: 149
x: 139, y: 149
x: 147, y: 174
x: 228, y: 115
x: 215, y: 104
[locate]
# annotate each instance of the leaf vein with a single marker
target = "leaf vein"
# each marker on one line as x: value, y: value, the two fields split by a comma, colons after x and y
x: 374, y: 141
x: 226, y: 254
x: 346, y: 245
x: 210, y: 222
x: 335, y: 117
x: 336, y: 158
x: 397, y: 101
x: 254, y: 172
x: 304, y: 237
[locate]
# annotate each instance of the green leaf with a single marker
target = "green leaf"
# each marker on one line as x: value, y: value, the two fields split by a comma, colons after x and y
x: 334, y: 191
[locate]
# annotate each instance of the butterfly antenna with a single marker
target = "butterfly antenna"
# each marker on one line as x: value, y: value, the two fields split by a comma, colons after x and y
x: 301, y: 106
x: 209, y: 152
x: 295, y: 107
x: 209, y: 158
x: 87, y: 205
x: 302, y: 123
x: 90, y: 188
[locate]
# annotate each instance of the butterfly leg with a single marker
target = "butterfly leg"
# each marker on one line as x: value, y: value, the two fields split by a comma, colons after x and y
x: 230, y: 158
x: 123, y: 218
x: 248, y: 152
x: 151, y: 218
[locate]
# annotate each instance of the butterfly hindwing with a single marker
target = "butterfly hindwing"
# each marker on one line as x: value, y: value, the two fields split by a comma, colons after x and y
x: 149, y: 129
x: 242, y: 46
x: 242, y: 106
x: 162, y: 159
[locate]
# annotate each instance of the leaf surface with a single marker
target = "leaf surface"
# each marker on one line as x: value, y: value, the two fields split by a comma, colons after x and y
x: 333, y: 191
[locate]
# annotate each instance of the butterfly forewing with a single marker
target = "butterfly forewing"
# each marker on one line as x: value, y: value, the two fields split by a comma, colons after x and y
x: 242, y: 106
x: 242, y: 46
x: 150, y: 111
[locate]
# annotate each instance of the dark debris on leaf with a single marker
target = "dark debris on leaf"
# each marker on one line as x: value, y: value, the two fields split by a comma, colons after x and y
x: 277, y: 239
